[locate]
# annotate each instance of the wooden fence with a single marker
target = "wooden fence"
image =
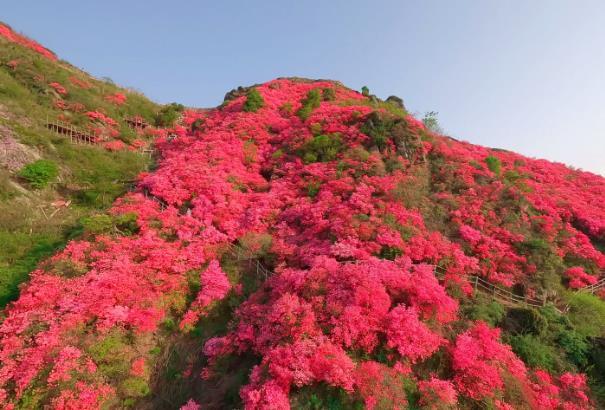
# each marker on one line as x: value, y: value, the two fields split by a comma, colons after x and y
x: 594, y: 287
x: 242, y: 254
x: 76, y: 136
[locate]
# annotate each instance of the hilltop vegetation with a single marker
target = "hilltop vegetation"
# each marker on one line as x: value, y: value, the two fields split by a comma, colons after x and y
x: 308, y: 246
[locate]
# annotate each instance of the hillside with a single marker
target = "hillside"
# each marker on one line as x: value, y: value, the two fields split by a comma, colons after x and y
x: 303, y: 246
x: 50, y: 180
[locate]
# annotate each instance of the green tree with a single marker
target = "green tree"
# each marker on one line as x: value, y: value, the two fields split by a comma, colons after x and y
x: 431, y: 122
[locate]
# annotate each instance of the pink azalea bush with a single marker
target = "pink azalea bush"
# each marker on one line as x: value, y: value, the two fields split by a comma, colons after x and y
x: 368, y: 266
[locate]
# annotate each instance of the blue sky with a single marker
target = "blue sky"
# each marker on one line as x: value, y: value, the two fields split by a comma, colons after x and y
x: 523, y: 75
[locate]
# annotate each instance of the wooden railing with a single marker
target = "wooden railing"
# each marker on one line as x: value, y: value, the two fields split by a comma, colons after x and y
x: 75, y: 135
x: 242, y: 254
x: 504, y: 295
x: 594, y: 287
x: 496, y: 292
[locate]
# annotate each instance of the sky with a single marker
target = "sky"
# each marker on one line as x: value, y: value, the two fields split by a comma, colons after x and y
x: 528, y: 76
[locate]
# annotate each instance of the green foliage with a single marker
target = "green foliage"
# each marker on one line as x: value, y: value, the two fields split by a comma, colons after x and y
x: 486, y: 310
x: 587, y: 313
x: 378, y: 127
x: 256, y: 244
x: 365, y: 91
x: 322, y: 148
x: 277, y: 154
x: 286, y: 108
x: 39, y: 173
x: 494, y: 164
x: 134, y: 387
x: 20, y: 255
x: 322, y: 397
x: 431, y: 122
x: 534, y: 352
x: 520, y: 321
x: 313, y: 188
x: 99, y: 174
x: 575, y: 346
x: 254, y: 101
x: 390, y: 252
x: 328, y: 94
x: 197, y: 124
x: 111, y: 354
x: 310, y: 103
x: 97, y: 224
x: 168, y: 114
x: 125, y: 224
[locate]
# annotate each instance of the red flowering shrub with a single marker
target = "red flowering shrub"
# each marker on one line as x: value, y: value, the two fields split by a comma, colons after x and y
x: 578, y: 278
x: 79, y: 82
x: 98, y: 116
x: 409, y: 336
x: 115, y: 145
x: 215, y: 286
x: 479, y: 361
x: 58, y: 88
x: 380, y: 386
x: 116, y: 99
x: 437, y: 394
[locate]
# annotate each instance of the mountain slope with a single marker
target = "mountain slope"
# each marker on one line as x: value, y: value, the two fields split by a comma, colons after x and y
x: 307, y: 246
x: 47, y: 183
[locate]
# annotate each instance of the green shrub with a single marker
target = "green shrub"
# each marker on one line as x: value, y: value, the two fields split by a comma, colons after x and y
x: 534, y: 352
x: 575, y: 346
x: 97, y: 224
x: 321, y: 148
x: 286, y: 108
x: 328, y: 94
x: 486, y: 310
x: 524, y: 321
x: 431, y: 122
x: 277, y: 154
x: 168, y: 114
x: 493, y: 164
x: 254, y: 101
x: 197, y: 125
x: 313, y: 188
x: 365, y: 91
x: 135, y: 387
x: 389, y: 252
x: 587, y: 313
x: 310, y: 103
x: 378, y: 127
x: 125, y: 224
x: 39, y: 173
